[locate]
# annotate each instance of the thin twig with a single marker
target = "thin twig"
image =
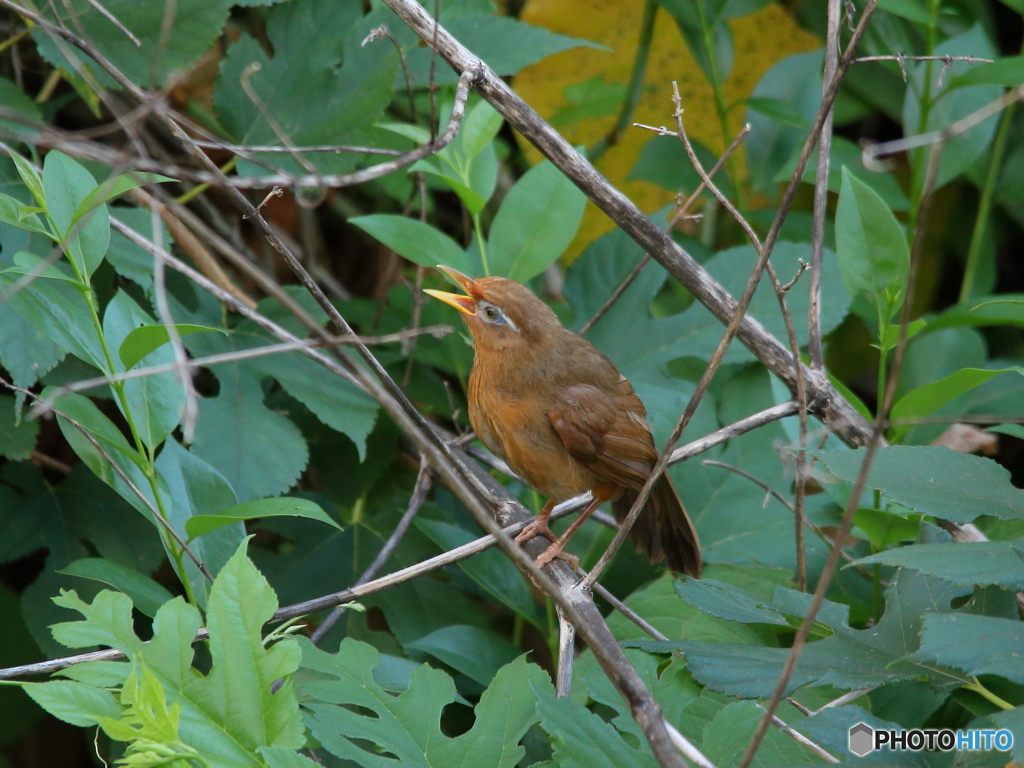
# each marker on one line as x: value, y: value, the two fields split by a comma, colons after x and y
x: 566, y: 654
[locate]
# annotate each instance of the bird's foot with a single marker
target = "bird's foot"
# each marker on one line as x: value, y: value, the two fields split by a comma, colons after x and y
x: 536, y: 528
x: 555, y: 550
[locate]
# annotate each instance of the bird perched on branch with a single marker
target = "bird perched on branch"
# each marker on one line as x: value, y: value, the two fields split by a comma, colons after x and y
x: 563, y: 417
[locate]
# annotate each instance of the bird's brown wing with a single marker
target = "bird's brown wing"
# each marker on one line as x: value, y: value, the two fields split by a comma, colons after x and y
x: 606, y: 431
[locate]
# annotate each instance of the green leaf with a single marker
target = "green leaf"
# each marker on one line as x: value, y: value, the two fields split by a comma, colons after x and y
x: 580, y: 737
x: 280, y: 757
x: 76, y: 703
x: 59, y: 312
x: 727, y: 736
x: 170, y: 44
x: 195, y: 488
x: 145, y: 593
x: 19, y: 103
x: 414, y: 240
x: 147, y: 338
x: 408, y: 726
x: 506, y: 45
x: 870, y: 245
x: 995, y: 646
x: 334, y: 401
x: 536, y: 222
x: 912, y: 10
x: 885, y: 528
x: 934, y: 481
x: 1013, y: 430
x: 1007, y: 71
x: 780, y: 111
x: 849, y: 659
x: 30, y: 177
x: 129, y: 259
x: 728, y: 602
x: 260, y: 452
x: 250, y: 510
x: 68, y: 184
x: 115, y: 187
x: 17, y: 437
x: 29, y: 264
x: 974, y: 562
x: 949, y: 104
x: 476, y: 653
x: 12, y: 212
x: 925, y: 400
x: 317, y: 91
x: 478, y: 129
x: 1004, y: 309
x: 155, y: 402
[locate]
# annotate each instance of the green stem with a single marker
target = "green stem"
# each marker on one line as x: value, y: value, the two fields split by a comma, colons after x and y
x: 482, y: 243
x: 985, y: 204
x: 920, y: 157
x: 636, y: 84
x: 986, y: 693
x: 517, y: 630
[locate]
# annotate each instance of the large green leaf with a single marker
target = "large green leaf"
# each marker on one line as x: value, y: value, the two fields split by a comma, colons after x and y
x: 870, y: 246
x: 727, y: 736
x: 147, y: 338
x: 995, y: 646
x: 233, y: 710
x: 170, y: 43
x: 76, y: 703
x: 17, y: 439
x: 317, y: 90
x: 408, y: 726
x: 975, y: 562
x: 259, y: 452
x: 935, y: 481
x: 536, y: 222
x: 416, y: 241
x: 476, y: 653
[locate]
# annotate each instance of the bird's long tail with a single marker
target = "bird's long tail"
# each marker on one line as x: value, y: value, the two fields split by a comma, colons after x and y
x: 663, y: 528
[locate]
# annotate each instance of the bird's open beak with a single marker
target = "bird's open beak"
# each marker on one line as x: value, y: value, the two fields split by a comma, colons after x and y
x: 465, y: 304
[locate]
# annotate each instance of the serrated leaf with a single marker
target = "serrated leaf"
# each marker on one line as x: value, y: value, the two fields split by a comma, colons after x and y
x: 145, y: 593
x: 170, y: 43
x: 581, y: 737
x: 974, y: 562
x: 260, y: 452
x: 726, y: 738
x: 935, y: 481
x: 147, y: 338
x: 76, y: 703
x: 333, y: 400
x: 281, y: 507
x: 59, y: 312
x: 536, y: 222
x: 17, y: 438
x: 414, y: 240
x: 996, y: 646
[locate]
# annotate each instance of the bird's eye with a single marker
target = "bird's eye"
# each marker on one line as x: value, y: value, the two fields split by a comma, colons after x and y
x: 491, y: 313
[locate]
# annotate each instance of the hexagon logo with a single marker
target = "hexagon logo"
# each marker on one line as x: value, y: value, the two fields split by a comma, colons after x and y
x: 862, y: 739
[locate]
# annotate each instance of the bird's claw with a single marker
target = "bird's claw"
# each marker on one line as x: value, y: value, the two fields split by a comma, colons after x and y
x: 536, y: 528
x: 554, y: 551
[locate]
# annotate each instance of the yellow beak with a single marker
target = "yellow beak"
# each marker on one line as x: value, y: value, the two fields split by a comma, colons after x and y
x: 465, y: 304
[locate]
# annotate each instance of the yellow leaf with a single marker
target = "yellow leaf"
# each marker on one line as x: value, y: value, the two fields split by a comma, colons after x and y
x: 759, y: 42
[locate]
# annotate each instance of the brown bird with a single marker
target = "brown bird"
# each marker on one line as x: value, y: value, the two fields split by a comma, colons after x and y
x: 563, y: 417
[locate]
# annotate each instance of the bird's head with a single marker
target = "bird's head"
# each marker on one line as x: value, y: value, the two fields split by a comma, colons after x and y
x: 502, y: 315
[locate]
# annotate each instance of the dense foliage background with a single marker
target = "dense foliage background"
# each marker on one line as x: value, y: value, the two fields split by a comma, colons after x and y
x: 290, y: 478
